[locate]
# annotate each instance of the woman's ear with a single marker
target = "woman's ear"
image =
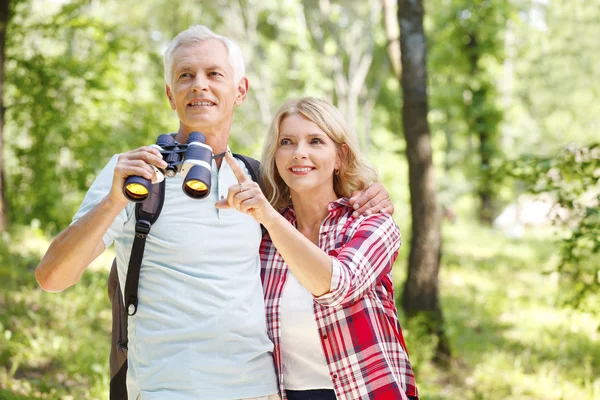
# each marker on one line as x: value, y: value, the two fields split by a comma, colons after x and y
x: 342, y: 155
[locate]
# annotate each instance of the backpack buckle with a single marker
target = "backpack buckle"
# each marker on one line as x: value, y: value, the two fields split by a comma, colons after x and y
x: 142, y: 228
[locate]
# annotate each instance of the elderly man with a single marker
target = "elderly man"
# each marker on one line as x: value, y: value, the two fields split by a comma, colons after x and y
x: 200, y: 330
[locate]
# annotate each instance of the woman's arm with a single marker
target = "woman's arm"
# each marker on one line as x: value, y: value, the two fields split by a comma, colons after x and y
x: 334, y: 279
x: 309, y: 264
x: 364, y: 260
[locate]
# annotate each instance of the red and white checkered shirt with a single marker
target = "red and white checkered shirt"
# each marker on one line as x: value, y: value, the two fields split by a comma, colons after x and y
x: 358, y: 324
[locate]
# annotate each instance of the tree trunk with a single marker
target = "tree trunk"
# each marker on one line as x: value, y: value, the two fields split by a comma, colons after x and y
x: 485, y: 191
x: 482, y: 123
x: 4, y: 17
x: 421, y: 293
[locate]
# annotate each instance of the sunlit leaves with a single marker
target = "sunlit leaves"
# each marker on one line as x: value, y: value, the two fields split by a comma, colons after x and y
x: 573, y: 177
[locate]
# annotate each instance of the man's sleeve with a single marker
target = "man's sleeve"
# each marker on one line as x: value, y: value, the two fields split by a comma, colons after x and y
x: 95, y: 194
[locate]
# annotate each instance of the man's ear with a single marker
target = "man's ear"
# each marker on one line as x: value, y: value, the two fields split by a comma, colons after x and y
x: 242, y: 91
x: 170, y: 97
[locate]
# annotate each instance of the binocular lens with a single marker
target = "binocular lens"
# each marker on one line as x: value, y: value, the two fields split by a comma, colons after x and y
x: 196, y: 186
x: 136, y: 188
x: 197, y: 182
x: 136, y: 191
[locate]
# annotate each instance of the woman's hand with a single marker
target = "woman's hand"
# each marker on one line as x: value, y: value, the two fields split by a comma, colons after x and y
x: 247, y: 197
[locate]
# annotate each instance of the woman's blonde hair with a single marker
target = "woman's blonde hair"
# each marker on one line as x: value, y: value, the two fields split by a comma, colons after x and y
x: 353, y: 174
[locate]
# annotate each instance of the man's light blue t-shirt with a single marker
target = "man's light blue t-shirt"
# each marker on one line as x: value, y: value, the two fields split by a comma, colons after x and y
x: 200, y: 329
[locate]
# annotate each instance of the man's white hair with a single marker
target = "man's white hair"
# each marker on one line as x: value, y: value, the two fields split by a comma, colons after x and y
x: 196, y: 34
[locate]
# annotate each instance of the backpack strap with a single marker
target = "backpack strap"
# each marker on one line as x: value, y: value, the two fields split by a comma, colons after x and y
x: 146, y: 213
x: 253, y: 167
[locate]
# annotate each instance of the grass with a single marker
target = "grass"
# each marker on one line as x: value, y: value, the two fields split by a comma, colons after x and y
x: 509, y: 338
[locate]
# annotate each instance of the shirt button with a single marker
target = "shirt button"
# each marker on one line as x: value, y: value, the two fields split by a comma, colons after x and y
x: 324, y: 336
x: 222, y: 197
x: 334, y: 376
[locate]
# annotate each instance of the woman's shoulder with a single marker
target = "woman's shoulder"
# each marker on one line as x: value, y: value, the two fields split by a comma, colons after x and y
x: 372, y: 222
x: 375, y: 221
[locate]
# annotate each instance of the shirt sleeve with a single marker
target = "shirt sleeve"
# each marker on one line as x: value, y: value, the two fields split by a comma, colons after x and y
x: 96, y: 193
x: 363, y: 261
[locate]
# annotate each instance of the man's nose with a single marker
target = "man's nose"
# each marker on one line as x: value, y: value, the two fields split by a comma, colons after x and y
x: 200, y: 83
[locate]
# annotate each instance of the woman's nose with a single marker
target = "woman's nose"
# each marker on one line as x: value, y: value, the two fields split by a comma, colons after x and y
x: 300, y: 152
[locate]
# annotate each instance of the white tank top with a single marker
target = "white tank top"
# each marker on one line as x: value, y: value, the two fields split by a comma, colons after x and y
x: 303, y: 360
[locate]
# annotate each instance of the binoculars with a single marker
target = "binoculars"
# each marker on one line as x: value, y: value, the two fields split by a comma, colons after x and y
x: 192, y: 160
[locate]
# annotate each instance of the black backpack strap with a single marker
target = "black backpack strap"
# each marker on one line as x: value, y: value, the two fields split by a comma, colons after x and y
x: 253, y: 167
x: 146, y: 213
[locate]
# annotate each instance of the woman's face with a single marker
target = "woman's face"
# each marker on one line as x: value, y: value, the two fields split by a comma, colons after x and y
x: 306, y: 157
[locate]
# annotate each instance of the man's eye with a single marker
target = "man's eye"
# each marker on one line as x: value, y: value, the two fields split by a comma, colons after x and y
x: 184, y: 75
x: 215, y: 73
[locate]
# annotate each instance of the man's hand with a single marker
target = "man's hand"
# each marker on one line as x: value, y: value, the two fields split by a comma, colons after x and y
x: 373, y: 200
x: 247, y: 197
x: 136, y: 162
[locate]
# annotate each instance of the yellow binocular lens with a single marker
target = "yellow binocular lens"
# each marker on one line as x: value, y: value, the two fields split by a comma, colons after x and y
x: 196, y: 185
x: 136, y: 190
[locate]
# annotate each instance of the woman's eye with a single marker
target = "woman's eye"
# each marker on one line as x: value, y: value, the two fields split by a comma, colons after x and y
x: 284, y: 141
x: 317, y: 141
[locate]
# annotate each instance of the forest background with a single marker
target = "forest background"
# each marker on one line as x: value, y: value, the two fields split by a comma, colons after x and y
x: 481, y: 116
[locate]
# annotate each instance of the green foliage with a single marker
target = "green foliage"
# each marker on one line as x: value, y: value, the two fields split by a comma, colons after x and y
x: 52, y: 346
x: 465, y: 57
x: 573, y: 178
x: 75, y: 96
x: 555, y: 61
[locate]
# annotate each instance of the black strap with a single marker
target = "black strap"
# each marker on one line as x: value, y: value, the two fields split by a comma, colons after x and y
x: 146, y: 213
x: 253, y: 167
x: 142, y: 228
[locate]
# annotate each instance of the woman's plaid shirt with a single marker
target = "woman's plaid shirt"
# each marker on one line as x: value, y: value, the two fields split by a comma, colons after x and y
x: 359, y: 329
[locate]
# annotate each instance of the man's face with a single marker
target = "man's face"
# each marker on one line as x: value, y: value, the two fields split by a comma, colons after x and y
x: 203, y: 91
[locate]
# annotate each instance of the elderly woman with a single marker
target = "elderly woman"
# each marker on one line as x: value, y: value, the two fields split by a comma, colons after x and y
x: 326, y: 274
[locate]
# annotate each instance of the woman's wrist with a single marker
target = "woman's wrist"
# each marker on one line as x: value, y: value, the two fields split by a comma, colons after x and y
x: 273, y: 220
